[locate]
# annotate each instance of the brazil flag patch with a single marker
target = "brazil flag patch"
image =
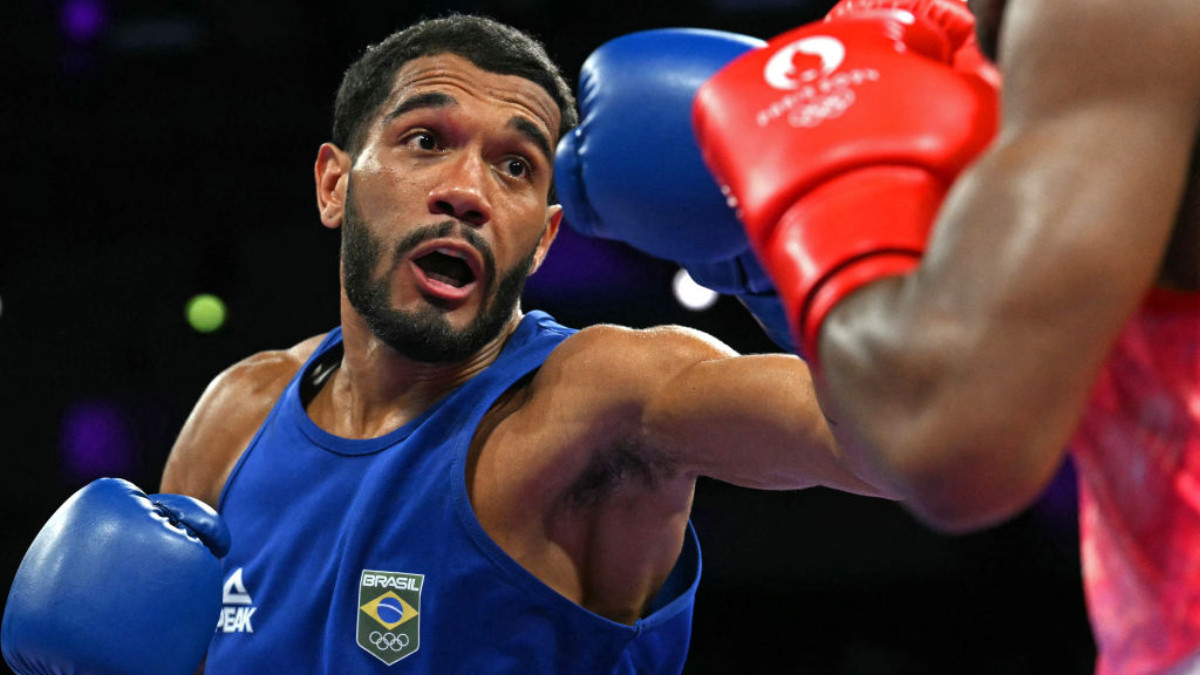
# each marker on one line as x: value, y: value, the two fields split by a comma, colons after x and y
x: 389, y: 614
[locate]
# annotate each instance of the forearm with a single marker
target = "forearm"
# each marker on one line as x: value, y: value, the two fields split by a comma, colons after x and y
x: 964, y: 441
x: 956, y: 359
x: 965, y: 380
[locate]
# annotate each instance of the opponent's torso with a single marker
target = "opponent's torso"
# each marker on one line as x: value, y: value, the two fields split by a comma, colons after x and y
x: 355, y: 556
x: 1138, y: 456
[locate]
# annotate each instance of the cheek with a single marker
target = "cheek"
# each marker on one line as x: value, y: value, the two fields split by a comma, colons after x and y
x: 536, y: 224
x: 512, y: 251
x: 522, y: 212
x: 399, y: 188
x: 383, y: 185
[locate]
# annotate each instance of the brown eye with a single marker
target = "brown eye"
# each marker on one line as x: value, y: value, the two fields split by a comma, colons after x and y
x: 423, y: 140
x: 517, y: 168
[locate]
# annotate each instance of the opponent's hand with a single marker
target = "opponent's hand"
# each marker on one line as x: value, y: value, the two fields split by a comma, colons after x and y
x: 839, y: 141
x: 631, y: 170
x: 952, y: 16
x: 117, y: 582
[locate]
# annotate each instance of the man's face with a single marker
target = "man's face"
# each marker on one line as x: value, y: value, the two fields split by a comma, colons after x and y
x: 446, y: 207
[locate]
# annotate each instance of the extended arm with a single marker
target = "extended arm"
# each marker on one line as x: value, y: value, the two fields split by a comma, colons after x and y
x: 702, y: 410
x: 632, y: 172
x: 967, y: 378
x: 753, y: 421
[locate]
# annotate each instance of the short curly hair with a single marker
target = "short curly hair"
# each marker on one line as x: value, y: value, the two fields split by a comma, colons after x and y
x: 489, y: 44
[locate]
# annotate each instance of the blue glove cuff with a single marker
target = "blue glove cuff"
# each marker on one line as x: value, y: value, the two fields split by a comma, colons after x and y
x: 743, y: 277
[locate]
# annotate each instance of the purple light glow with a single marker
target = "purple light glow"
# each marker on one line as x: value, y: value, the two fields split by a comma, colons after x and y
x: 82, y: 20
x: 583, y: 269
x: 95, y: 440
x: 1058, y: 506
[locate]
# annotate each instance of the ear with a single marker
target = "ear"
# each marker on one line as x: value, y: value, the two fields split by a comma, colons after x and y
x: 553, y: 218
x: 332, y: 171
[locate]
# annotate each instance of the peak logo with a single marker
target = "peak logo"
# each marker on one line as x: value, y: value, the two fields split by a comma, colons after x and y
x: 238, y: 606
x: 783, y: 70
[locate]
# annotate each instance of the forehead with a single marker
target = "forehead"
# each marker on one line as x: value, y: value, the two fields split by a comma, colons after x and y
x: 468, y: 84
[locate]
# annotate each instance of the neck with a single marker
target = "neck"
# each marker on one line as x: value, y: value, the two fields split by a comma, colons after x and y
x: 378, y: 389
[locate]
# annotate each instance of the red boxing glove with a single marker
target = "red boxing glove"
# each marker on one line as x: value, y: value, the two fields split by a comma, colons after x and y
x: 837, y: 142
x: 953, y: 16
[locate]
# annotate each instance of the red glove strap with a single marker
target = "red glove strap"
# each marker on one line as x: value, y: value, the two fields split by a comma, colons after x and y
x: 849, y: 231
x: 845, y: 281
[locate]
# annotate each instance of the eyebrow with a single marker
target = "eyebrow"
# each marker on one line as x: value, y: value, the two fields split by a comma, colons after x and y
x: 437, y: 99
x: 431, y: 99
x: 529, y: 130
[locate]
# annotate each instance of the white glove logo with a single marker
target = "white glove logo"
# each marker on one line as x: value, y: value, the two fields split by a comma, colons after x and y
x: 781, y: 71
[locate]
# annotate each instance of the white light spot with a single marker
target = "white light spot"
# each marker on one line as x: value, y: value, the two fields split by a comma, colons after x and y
x: 692, y: 295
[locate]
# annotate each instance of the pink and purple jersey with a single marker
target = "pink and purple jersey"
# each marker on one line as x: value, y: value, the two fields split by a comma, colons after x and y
x: 1138, y: 457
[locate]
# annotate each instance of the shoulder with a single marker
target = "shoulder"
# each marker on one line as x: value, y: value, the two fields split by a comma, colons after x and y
x: 607, y: 350
x: 614, y: 374
x: 629, y: 364
x: 265, y: 372
x: 225, y: 419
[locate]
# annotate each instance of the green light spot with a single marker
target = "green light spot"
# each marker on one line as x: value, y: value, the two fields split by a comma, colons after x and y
x: 205, y: 313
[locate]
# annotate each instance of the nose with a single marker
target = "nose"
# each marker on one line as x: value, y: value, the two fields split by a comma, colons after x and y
x: 461, y: 190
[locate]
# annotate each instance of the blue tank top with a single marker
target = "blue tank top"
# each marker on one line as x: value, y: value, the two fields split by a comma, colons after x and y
x: 362, y: 556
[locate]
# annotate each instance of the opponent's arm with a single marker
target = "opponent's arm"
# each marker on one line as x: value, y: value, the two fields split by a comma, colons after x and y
x: 1039, y: 257
x: 965, y: 378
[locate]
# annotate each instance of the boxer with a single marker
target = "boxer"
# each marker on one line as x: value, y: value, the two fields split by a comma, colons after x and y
x: 445, y: 479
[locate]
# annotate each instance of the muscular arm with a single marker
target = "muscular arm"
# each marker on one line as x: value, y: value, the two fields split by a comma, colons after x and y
x: 589, y: 483
x: 965, y: 380
x: 753, y: 421
x: 705, y: 411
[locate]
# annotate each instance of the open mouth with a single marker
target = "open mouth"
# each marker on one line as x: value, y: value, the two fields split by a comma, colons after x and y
x: 446, y: 266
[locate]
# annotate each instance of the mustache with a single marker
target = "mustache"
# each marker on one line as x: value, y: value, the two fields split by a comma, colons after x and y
x: 446, y: 229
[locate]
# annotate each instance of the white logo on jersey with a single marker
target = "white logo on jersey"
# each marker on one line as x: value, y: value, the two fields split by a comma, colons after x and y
x: 237, y: 610
x: 781, y: 71
x: 235, y: 590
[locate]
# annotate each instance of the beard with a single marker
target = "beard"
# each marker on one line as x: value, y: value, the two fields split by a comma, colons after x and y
x: 424, y: 335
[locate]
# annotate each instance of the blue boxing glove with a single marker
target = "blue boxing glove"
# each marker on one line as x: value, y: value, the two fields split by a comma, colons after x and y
x: 117, y: 582
x: 632, y: 171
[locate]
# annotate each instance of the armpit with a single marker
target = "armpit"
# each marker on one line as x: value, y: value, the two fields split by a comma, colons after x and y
x: 623, y: 464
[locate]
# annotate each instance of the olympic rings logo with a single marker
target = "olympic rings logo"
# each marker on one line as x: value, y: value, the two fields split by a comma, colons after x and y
x: 817, y: 111
x: 392, y: 641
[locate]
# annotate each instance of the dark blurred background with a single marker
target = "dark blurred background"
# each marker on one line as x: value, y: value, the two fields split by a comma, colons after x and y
x: 159, y: 150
